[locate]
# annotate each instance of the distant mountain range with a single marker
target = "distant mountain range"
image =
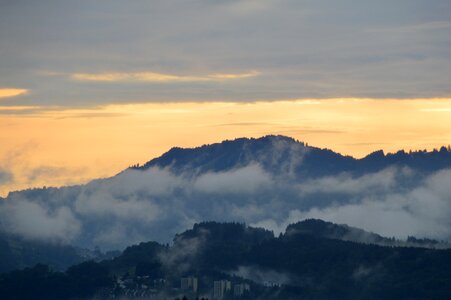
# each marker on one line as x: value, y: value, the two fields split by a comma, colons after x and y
x: 308, y: 261
x: 270, y: 182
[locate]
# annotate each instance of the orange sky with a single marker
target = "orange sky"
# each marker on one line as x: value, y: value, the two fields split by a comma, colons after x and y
x: 61, y: 146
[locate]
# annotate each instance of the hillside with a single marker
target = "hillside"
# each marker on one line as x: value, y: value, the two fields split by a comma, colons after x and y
x: 295, y: 265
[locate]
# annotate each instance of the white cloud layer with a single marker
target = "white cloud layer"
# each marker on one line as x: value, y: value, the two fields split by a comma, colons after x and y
x: 245, y: 180
x: 155, y: 204
x: 35, y: 221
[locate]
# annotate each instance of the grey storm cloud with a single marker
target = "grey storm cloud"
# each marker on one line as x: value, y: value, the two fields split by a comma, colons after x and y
x: 86, y: 53
x: 155, y: 204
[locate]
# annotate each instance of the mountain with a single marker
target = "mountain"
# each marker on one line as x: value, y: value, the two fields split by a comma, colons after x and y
x: 281, y: 154
x: 298, y: 264
x: 268, y: 182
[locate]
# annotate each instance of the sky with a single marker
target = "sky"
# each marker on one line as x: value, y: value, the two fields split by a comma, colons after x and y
x: 88, y: 88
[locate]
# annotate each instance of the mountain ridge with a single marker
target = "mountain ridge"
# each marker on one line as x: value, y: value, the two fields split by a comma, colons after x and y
x: 167, y: 158
x: 270, y: 181
x: 237, y: 153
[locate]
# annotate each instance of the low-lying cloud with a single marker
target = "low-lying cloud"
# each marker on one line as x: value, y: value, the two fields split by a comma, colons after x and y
x: 35, y: 221
x: 346, y: 184
x: 247, y: 180
x: 383, y: 204
x: 262, y: 276
x: 155, y: 204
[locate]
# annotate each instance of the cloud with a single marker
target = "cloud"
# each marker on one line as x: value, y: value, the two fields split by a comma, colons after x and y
x: 422, y: 211
x: 158, y: 77
x: 303, y: 49
x: 346, y: 184
x: 155, y: 204
x: 153, y: 182
x: 6, y: 93
x: 178, y: 258
x: 113, y: 236
x: 48, y: 172
x: 18, y: 110
x: 18, y: 171
x: 37, y: 221
x: 362, y: 272
x: 100, y: 204
x: 265, y: 277
x: 246, y: 180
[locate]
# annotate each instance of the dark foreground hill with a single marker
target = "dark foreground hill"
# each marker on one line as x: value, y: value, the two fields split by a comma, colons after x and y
x: 299, y: 264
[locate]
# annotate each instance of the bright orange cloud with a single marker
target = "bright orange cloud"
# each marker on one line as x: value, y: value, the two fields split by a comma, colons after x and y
x: 157, y: 77
x: 5, y: 93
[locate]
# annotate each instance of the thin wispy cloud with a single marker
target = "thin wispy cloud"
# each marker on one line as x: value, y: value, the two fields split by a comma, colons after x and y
x: 159, y: 77
x: 7, y: 109
x: 438, y: 109
x: 12, y: 92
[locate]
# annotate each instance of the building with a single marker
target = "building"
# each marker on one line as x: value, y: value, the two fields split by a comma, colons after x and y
x: 220, y: 288
x: 240, y: 289
x: 189, y: 284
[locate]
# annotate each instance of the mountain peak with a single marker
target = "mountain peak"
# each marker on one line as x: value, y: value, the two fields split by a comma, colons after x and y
x: 283, y: 155
x: 278, y: 138
x: 272, y: 152
x: 379, y: 154
x: 267, y: 140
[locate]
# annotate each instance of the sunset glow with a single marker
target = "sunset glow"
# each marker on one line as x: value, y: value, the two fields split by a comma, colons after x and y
x: 232, y: 149
x: 69, y: 146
